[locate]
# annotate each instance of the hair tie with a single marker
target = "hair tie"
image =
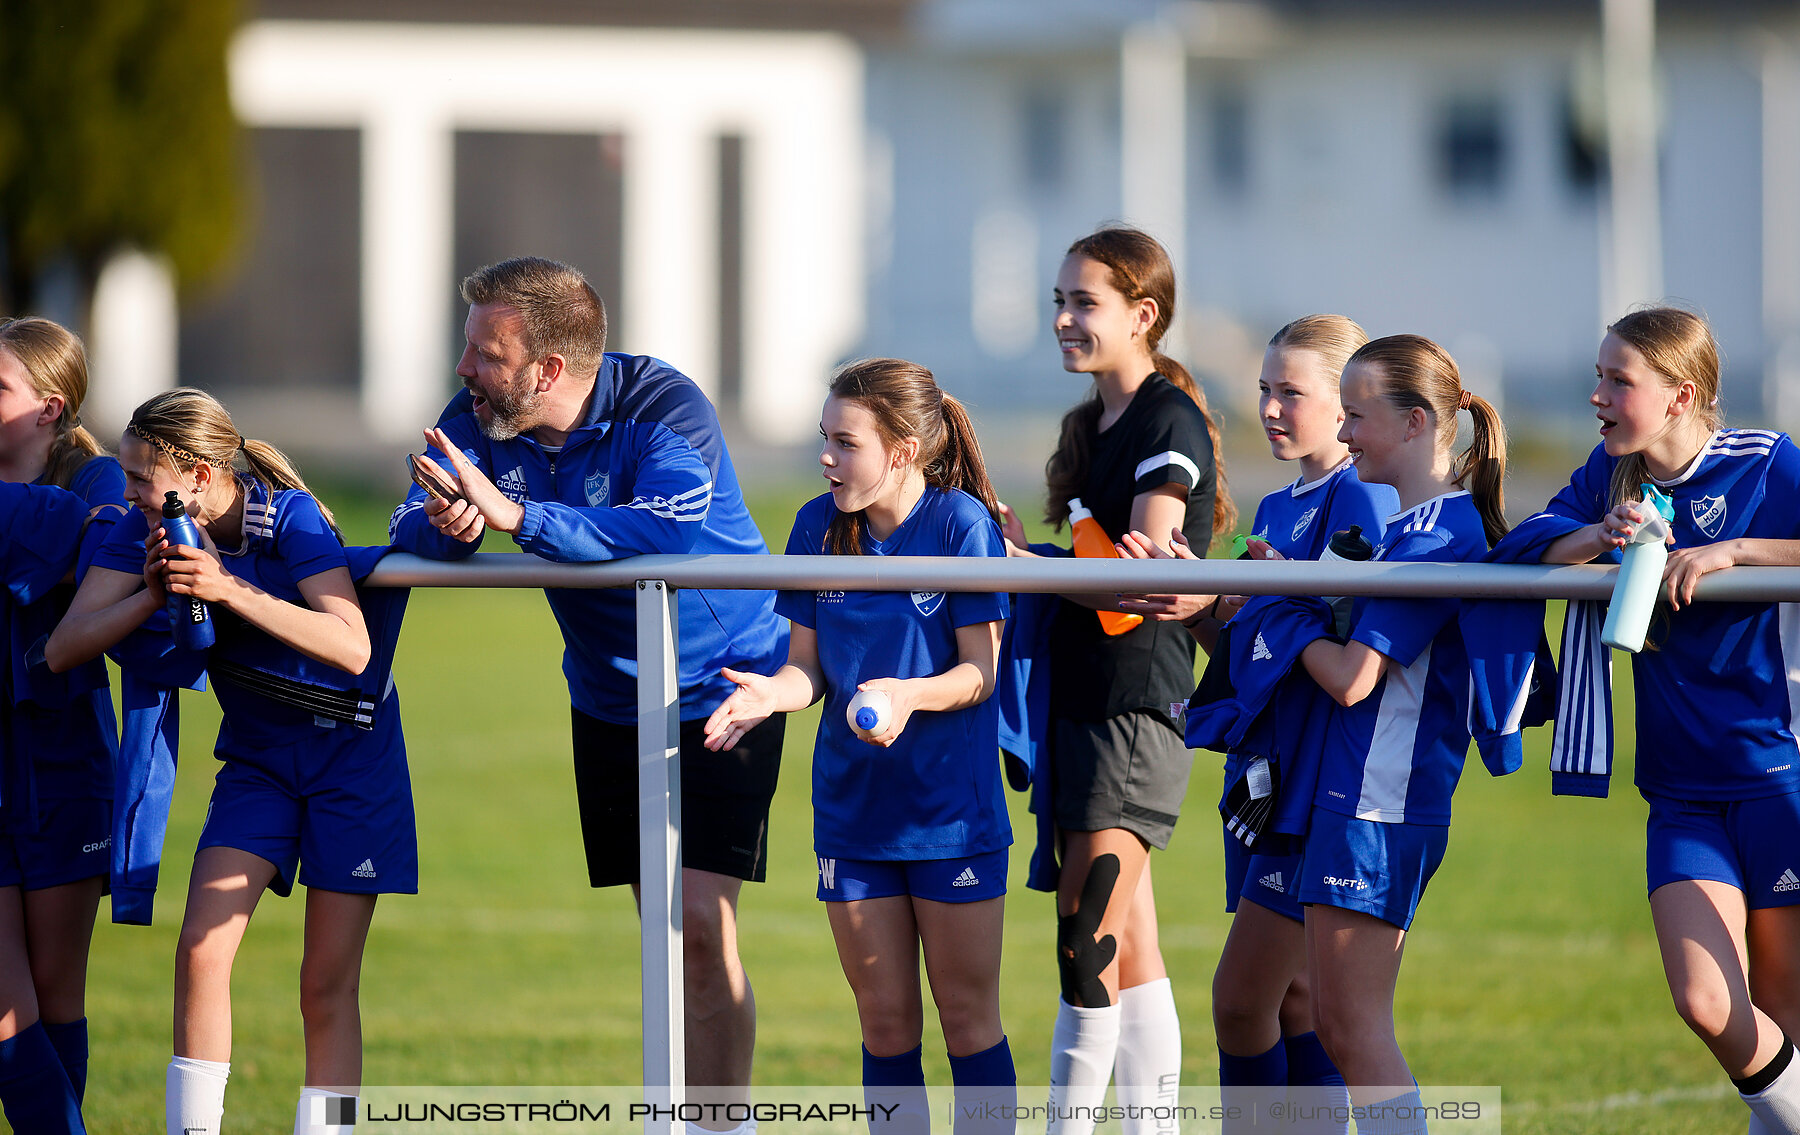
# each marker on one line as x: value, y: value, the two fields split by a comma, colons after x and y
x: 1466, y: 398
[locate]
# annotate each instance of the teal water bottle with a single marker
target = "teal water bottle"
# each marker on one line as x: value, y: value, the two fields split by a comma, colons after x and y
x: 1640, y: 575
x: 188, y: 616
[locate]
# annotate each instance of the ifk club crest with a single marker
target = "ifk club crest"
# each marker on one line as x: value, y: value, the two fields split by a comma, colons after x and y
x: 1709, y: 515
x: 927, y: 602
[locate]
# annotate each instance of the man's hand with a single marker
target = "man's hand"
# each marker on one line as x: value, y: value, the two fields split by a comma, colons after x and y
x: 482, y: 503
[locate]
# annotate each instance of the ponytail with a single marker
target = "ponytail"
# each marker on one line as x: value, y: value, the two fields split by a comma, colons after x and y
x: 73, y: 448
x: 187, y: 426
x: 1482, y: 470
x: 906, y: 402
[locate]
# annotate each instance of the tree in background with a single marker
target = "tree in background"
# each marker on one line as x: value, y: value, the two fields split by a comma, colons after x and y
x: 115, y: 131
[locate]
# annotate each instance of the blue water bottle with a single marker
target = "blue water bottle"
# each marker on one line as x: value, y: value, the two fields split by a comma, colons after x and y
x: 188, y: 616
x: 1640, y: 575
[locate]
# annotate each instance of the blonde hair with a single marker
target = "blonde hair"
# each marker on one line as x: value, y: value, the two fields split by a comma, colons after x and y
x: 906, y: 401
x: 187, y: 426
x: 1139, y: 269
x: 54, y: 358
x: 1679, y: 347
x: 1334, y: 338
x: 1412, y: 371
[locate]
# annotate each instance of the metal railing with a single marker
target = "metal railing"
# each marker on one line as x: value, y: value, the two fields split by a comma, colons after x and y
x: 657, y: 578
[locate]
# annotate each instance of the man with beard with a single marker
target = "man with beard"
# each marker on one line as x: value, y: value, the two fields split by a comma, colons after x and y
x: 581, y: 455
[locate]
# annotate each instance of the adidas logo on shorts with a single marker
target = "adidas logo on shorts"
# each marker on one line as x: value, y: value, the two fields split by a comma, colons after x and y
x: 1273, y: 881
x: 365, y: 871
x: 1259, y: 650
x: 1788, y: 882
x: 966, y: 879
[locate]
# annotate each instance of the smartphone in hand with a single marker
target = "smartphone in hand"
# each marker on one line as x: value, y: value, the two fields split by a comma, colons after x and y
x: 433, y: 484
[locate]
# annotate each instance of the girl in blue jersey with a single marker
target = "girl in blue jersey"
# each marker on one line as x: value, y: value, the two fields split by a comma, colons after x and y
x: 305, y: 793
x: 1141, y: 453
x: 1716, y: 716
x: 1262, y: 1011
x: 58, y: 737
x: 1394, y: 749
x: 910, y: 823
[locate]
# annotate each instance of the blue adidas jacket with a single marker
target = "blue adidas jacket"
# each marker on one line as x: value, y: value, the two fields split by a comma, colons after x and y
x: 647, y: 472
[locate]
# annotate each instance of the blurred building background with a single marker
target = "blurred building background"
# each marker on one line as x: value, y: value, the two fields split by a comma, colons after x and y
x: 761, y: 188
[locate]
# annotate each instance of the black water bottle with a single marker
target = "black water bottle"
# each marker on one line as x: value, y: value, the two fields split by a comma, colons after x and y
x: 1351, y: 546
x: 188, y: 616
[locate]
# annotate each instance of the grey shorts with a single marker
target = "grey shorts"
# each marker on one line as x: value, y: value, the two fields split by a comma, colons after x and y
x: 1129, y: 771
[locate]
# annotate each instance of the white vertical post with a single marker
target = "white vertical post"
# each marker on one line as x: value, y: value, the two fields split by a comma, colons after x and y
x: 132, y: 341
x: 1633, y: 273
x: 659, y: 849
x: 406, y: 236
x: 1780, y: 73
x: 1153, y: 139
x: 671, y: 249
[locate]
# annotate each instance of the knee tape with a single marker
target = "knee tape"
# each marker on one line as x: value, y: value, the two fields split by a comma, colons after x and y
x: 1081, y: 955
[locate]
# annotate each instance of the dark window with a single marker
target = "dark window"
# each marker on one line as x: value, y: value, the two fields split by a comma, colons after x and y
x: 1472, y: 149
x: 1229, y: 140
x: 1583, y: 150
x: 1046, y: 124
x: 731, y: 277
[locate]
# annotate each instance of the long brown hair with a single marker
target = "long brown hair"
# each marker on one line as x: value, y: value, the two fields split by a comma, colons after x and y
x: 1415, y: 372
x: 906, y: 402
x: 1140, y: 269
x: 54, y: 358
x: 1679, y: 347
x: 187, y: 426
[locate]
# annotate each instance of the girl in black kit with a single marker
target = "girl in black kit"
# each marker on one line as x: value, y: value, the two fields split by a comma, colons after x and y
x: 1140, y: 453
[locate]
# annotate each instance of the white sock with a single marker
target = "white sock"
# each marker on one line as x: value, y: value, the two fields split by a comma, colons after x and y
x: 194, y: 1095
x: 318, y: 1114
x: 1778, y: 1105
x: 1147, y: 1070
x: 1081, y: 1062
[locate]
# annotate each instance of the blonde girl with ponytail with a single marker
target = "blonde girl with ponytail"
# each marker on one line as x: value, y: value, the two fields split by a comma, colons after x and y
x: 910, y: 822
x: 313, y: 788
x: 56, y: 752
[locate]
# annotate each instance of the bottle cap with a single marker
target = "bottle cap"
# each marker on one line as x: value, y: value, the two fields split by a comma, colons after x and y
x: 1240, y: 546
x: 1351, y: 544
x: 172, y: 505
x: 1077, y: 510
x: 1659, y: 500
x: 867, y: 719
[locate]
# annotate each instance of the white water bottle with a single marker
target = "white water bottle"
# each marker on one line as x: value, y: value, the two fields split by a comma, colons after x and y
x: 1640, y: 575
x: 869, y: 712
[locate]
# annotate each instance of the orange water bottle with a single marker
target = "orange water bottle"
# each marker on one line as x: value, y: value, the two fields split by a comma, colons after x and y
x: 1092, y: 542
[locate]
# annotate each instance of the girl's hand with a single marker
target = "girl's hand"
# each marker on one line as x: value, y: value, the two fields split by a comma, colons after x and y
x: 155, y: 547
x: 197, y: 572
x: 748, y: 706
x: 1621, y: 524
x: 1261, y: 549
x: 1685, y: 567
x: 1012, y: 528
x: 1137, y: 546
x: 899, y: 692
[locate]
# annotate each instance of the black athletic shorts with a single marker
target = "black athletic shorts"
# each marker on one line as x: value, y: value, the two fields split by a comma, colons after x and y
x: 724, y: 799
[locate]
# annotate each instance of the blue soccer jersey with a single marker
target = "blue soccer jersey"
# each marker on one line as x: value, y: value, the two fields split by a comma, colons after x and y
x: 647, y: 471
x: 285, y: 540
x: 1298, y: 521
x: 935, y: 793
x: 1716, y: 711
x: 1395, y: 756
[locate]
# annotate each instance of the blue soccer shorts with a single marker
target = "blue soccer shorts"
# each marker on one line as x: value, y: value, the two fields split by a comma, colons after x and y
x: 337, y: 806
x: 1379, y: 869
x: 73, y: 842
x: 1753, y: 845
x: 968, y: 878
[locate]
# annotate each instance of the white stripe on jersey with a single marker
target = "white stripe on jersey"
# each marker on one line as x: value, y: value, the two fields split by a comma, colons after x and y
x: 1515, y: 713
x: 1387, y: 774
x: 259, y: 519
x: 1180, y: 461
x: 1582, y: 739
x: 400, y: 514
x: 691, y: 505
x: 1788, y: 620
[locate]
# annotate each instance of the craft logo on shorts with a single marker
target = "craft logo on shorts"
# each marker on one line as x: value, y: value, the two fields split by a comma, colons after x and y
x: 1304, y: 522
x: 595, y: 488
x: 1709, y: 515
x: 928, y: 601
x: 90, y: 848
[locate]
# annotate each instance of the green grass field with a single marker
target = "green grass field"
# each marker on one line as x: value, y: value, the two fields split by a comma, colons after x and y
x: 1532, y: 965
